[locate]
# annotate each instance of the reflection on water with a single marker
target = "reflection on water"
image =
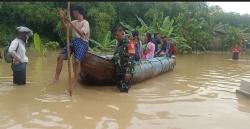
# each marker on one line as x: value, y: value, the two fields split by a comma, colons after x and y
x: 243, y: 103
x: 54, y: 98
x: 198, y: 94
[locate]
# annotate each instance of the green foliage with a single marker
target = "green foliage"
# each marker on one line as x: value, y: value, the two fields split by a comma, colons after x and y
x: 52, y: 45
x: 60, y: 33
x: 247, y: 36
x: 195, y: 29
x: 166, y: 28
x: 105, y: 45
x: 38, y: 16
x: 143, y: 28
x: 191, y: 25
x: 102, y: 17
x: 181, y: 44
x: 128, y: 29
x: 154, y: 17
x: 38, y: 45
x: 6, y: 35
x: 234, y: 35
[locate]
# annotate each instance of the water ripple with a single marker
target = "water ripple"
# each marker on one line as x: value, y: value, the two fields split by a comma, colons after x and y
x: 54, y: 98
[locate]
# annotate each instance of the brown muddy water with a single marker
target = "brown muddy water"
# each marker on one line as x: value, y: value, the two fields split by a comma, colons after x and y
x: 198, y: 94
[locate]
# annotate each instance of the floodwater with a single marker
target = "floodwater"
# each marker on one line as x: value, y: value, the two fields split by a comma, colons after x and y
x: 198, y: 94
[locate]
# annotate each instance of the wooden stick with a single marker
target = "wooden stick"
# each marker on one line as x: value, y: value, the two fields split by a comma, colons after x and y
x: 68, y: 49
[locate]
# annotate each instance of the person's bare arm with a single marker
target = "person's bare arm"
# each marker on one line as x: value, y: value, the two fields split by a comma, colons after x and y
x: 63, y: 19
x: 146, y: 51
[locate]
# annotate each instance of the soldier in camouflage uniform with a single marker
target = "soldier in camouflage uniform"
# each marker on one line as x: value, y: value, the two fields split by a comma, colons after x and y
x: 122, y: 62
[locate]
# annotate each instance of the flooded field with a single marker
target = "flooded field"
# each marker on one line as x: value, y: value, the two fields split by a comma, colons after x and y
x: 198, y: 94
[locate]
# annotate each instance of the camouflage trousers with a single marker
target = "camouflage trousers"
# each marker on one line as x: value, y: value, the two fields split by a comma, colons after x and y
x: 123, y: 66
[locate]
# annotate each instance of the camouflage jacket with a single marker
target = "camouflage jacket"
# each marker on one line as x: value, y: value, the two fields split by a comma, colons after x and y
x: 121, y: 52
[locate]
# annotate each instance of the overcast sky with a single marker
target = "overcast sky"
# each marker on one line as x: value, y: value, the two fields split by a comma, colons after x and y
x: 239, y: 7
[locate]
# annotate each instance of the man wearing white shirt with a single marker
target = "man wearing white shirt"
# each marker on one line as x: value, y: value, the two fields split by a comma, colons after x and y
x: 18, y: 51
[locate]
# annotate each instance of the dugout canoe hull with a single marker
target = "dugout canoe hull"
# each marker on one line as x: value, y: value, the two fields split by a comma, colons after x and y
x: 99, y: 70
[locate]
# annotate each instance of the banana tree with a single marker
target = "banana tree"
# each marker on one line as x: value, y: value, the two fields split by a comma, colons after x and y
x: 181, y: 44
x: 144, y: 28
x: 141, y: 29
x: 128, y: 30
x: 106, y: 45
x: 234, y: 35
x: 159, y: 24
x: 167, y: 27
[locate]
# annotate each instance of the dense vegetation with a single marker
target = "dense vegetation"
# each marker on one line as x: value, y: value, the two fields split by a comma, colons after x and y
x: 193, y: 26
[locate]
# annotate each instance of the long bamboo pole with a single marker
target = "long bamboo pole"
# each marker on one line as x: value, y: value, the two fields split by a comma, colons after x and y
x: 68, y: 49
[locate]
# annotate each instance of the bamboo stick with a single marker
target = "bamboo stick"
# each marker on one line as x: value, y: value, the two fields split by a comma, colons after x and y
x: 68, y: 49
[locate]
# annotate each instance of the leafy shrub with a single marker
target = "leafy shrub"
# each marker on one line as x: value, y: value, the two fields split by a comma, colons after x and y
x: 52, y: 45
x: 6, y: 35
x: 38, y: 44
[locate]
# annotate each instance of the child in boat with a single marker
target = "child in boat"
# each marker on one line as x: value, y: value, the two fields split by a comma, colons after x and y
x: 138, y: 45
x: 165, y: 48
x: 149, y: 51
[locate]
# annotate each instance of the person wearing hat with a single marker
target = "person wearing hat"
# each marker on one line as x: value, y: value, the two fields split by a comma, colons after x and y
x: 18, y: 51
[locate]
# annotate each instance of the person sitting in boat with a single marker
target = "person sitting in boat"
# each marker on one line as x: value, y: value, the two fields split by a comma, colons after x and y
x: 122, y: 61
x: 165, y: 48
x: 236, y: 51
x: 149, y: 51
x: 138, y: 45
x: 157, y: 41
x: 131, y: 49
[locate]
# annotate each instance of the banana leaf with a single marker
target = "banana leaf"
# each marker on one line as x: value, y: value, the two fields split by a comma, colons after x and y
x: 37, y: 44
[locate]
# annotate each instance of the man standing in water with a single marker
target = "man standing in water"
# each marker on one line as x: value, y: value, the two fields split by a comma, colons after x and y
x: 122, y: 61
x: 79, y: 43
x: 236, y: 51
x: 18, y: 51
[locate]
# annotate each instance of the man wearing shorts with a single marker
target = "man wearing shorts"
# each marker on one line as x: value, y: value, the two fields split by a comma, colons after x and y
x: 79, y: 42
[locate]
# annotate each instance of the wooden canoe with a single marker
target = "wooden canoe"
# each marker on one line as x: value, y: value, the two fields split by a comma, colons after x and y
x: 99, y: 70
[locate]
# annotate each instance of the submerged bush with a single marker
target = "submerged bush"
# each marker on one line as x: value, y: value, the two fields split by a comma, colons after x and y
x: 52, y: 45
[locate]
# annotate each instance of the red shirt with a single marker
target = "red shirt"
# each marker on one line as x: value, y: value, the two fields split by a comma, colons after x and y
x: 173, y: 49
x: 236, y: 49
